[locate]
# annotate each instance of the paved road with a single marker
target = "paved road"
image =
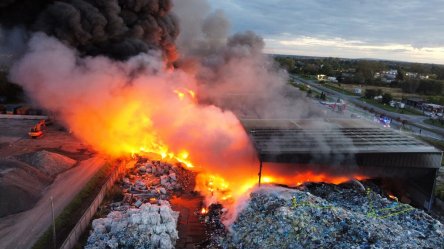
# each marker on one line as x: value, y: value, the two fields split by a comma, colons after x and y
x: 416, y: 120
x: 21, y: 231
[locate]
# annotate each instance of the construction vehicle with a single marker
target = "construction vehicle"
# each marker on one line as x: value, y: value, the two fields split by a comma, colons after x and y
x: 37, y: 130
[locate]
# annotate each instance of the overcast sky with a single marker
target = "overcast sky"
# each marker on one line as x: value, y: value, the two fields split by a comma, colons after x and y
x: 408, y: 30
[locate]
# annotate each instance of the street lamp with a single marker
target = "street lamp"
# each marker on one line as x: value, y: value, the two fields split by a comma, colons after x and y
x: 53, y: 224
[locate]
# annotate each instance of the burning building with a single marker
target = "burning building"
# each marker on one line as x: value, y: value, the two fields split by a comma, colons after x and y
x: 350, y: 148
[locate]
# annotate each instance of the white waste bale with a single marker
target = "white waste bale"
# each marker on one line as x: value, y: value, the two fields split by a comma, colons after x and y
x: 151, y: 226
x: 173, y: 176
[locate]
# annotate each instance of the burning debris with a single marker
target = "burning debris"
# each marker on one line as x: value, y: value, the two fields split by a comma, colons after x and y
x: 328, y: 216
x: 149, y: 226
x: 150, y: 181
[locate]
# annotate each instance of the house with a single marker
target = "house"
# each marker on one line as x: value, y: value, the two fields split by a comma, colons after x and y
x: 321, y: 77
x: 397, y: 104
x: 389, y: 76
x: 332, y: 79
x: 357, y: 91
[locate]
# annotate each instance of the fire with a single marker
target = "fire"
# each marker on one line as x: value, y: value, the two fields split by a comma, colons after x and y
x: 181, y: 94
x: 393, y: 197
x: 217, y: 189
x: 202, y: 138
x: 203, y: 211
x: 123, y: 109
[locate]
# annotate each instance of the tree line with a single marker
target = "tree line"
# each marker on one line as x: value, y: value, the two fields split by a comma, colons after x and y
x: 9, y: 92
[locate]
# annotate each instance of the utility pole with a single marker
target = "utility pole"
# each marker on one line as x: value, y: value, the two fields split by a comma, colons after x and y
x: 53, y: 224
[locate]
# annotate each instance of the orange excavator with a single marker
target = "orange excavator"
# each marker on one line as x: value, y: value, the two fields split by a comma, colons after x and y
x: 37, y: 130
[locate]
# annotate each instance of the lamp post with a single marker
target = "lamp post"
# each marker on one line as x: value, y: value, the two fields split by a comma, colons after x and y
x: 53, y: 224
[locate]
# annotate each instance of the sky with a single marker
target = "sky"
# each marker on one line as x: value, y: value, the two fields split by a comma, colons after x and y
x: 404, y: 30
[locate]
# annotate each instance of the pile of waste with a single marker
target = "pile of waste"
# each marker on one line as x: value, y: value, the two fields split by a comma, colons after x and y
x: 148, y: 182
x: 143, y: 218
x: 149, y: 226
x: 329, y: 216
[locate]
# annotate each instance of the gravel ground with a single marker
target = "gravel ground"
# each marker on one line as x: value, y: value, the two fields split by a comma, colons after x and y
x: 47, y: 162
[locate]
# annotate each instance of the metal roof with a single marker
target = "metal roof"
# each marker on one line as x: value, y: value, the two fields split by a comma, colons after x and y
x: 377, y: 152
x: 280, y: 140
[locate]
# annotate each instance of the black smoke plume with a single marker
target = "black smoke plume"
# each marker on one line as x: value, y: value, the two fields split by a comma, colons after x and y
x: 115, y: 28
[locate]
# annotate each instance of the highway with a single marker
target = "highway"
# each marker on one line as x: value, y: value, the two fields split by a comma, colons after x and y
x: 356, y: 105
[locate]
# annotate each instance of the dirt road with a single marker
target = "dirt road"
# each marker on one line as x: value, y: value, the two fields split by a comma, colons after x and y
x: 23, y: 229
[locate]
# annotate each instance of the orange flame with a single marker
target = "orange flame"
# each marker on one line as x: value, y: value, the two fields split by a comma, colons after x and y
x: 393, y: 197
x: 217, y: 189
x: 203, y: 211
x: 172, y: 126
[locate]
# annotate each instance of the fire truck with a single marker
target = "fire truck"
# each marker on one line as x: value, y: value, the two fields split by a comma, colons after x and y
x: 338, y: 106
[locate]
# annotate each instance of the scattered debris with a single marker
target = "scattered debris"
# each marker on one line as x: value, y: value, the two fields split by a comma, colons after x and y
x: 150, y: 226
x: 278, y: 217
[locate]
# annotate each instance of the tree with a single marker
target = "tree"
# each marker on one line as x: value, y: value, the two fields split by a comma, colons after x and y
x: 10, y: 91
x: 310, y: 69
x: 309, y: 92
x: 367, y: 69
x: 286, y: 63
x: 372, y: 93
x: 359, y: 78
x: 410, y: 86
x: 326, y: 69
x: 386, y: 98
x: 400, y: 76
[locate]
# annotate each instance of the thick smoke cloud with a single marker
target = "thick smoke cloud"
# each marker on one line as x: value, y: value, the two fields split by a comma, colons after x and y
x: 92, y: 97
x: 232, y: 70
x: 116, y: 28
x: 120, y: 107
x: 12, y: 45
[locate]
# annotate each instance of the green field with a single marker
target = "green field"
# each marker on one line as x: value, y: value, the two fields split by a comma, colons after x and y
x: 434, y: 122
x: 339, y: 89
x: 389, y: 108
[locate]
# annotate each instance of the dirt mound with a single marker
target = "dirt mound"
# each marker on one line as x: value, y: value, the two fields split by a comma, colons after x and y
x: 21, y: 186
x: 49, y: 163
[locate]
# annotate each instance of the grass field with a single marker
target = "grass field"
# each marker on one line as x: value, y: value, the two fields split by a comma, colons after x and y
x: 434, y: 122
x: 392, y: 109
x: 339, y: 89
x: 395, y: 92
